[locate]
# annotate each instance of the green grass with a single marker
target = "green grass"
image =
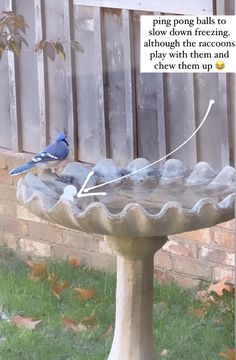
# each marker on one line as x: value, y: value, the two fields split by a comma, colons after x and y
x: 183, y: 335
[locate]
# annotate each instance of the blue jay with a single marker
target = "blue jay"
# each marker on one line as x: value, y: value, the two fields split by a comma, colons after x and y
x: 49, y: 157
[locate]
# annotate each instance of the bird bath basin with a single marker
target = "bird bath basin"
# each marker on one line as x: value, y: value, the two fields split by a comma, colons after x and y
x: 136, y: 215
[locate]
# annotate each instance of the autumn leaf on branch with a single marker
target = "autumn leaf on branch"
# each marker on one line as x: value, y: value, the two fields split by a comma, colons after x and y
x: 11, y: 38
x: 38, y: 269
x: 25, y: 322
x: 10, y: 27
x: 12, y: 22
x: 48, y: 47
x: 60, y: 49
x: 76, y: 46
x: 219, y: 288
x: 85, y: 294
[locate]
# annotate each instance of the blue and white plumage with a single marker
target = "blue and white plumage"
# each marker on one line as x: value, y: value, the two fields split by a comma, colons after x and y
x: 49, y: 157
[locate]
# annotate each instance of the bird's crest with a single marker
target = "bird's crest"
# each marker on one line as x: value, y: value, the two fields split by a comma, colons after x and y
x: 60, y: 137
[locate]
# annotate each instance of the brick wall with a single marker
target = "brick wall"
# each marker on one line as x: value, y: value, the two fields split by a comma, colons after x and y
x: 188, y: 258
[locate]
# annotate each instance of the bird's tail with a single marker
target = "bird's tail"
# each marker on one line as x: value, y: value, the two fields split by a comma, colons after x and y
x: 23, y: 168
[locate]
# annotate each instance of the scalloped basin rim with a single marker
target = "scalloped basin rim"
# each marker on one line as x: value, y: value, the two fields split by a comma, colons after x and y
x: 131, y: 219
x: 83, y: 213
x: 130, y: 206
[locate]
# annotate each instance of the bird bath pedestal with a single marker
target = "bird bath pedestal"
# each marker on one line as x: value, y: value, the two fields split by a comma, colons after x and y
x: 136, y: 216
x: 133, y: 338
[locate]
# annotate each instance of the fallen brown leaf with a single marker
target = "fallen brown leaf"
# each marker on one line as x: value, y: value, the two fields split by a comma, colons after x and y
x: 52, y: 278
x: 85, y: 294
x: 109, y: 331
x: 26, y: 323
x: 199, y: 312
x: 74, y: 261
x: 73, y: 325
x: 229, y: 354
x: 204, y: 297
x: 89, y: 321
x: 38, y: 269
x: 219, y: 288
x: 58, y: 288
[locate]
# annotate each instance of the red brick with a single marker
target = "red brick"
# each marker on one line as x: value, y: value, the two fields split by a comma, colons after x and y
x: 223, y: 272
x: 229, y: 225
x: 37, y: 248
x: 3, y: 158
x: 89, y: 259
x: 82, y: 241
x: 7, y: 192
x: 224, y: 238
x: 5, y: 178
x: 217, y: 256
x: 162, y: 276
x: 181, y: 248
x: 162, y: 260
x: 104, y: 262
x: 185, y: 281
x: 50, y: 233
x: 203, y: 236
x: 23, y: 213
x: 192, y: 267
x: 16, y: 159
x: 13, y: 226
x: 104, y: 248
x: 8, y: 209
x: 63, y: 252
x: 11, y: 240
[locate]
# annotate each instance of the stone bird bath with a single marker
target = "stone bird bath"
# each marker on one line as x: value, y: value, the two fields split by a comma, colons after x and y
x: 136, y: 216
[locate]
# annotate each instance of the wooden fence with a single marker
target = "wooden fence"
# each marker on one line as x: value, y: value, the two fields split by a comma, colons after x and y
x: 107, y: 107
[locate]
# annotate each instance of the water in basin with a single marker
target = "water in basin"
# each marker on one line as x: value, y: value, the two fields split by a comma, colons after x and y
x: 153, y: 196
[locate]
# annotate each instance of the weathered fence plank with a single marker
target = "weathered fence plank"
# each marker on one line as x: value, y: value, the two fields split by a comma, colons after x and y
x: 70, y: 80
x: 180, y: 116
x: 211, y: 138
x: 5, y: 133
x: 90, y: 98
x: 43, y: 125
x: 129, y: 68
x: 55, y: 71
x: 27, y: 91
x: 99, y: 78
x: 16, y: 142
x: 149, y: 95
x: 200, y: 7
x: 116, y: 88
x: 223, y: 116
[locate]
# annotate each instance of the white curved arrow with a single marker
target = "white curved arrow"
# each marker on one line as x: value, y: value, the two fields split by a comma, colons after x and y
x: 84, y: 192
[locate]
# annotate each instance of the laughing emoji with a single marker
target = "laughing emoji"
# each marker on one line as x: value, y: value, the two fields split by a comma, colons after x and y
x: 220, y: 65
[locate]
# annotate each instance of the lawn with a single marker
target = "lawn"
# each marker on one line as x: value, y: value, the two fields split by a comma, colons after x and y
x: 75, y: 328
